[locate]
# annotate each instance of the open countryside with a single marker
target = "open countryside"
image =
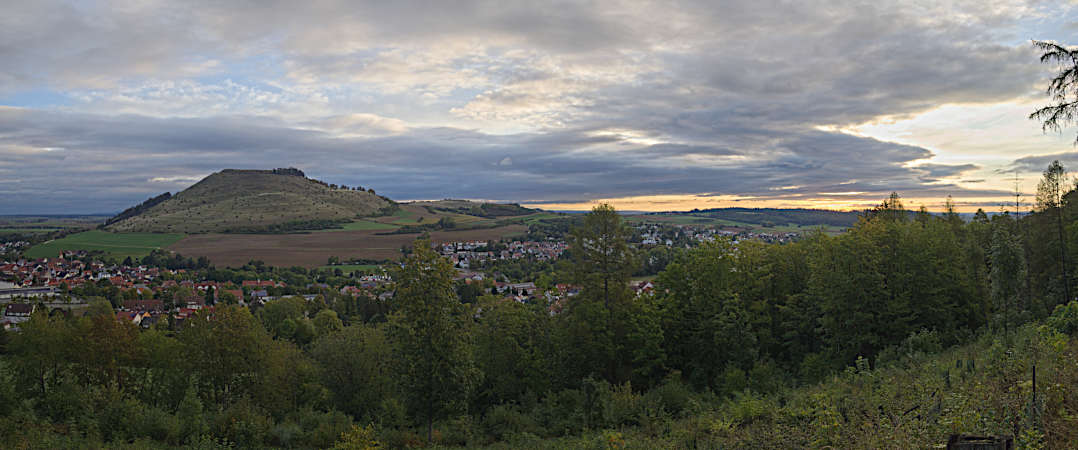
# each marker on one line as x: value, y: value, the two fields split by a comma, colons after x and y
x: 475, y: 225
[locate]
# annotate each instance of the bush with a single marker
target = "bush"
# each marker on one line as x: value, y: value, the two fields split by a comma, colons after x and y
x: 504, y: 421
x: 1065, y: 318
x: 562, y: 413
x: 243, y: 422
x: 621, y: 406
x: 747, y: 407
x: 115, y: 414
x: 156, y: 424
x: 322, y: 429
x: 461, y: 430
x: 673, y: 396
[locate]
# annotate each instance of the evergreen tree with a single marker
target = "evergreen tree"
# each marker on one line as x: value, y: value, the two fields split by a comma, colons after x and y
x: 430, y: 330
x: 596, y: 322
x: 1050, y: 195
x: 1008, y: 273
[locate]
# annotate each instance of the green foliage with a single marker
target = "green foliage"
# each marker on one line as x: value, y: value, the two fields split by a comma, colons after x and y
x: 1065, y: 318
x: 740, y: 345
x: 430, y: 331
x: 356, y: 365
x: 119, y: 245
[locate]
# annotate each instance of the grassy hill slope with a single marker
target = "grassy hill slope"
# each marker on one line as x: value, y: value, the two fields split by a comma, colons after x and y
x: 251, y: 200
x: 915, y: 397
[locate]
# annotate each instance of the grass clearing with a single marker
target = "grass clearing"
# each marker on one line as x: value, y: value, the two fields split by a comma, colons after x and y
x: 531, y: 219
x: 120, y: 245
x: 27, y: 230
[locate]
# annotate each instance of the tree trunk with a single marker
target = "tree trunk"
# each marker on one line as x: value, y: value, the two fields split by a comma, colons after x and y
x: 1063, y: 256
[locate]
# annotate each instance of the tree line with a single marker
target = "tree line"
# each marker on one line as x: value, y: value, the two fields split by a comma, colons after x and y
x: 426, y: 366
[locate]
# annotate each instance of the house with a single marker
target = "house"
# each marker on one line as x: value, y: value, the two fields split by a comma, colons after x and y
x: 524, y: 289
x: 19, y: 312
x: 644, y: 288
x: 130, y: 316
x: 148, y: 321
x: 144, y: 305
x: 261, y: 284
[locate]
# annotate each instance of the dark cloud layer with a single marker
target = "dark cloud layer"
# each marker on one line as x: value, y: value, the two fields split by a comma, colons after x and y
x: 62, y: 162
x: 615, y: 99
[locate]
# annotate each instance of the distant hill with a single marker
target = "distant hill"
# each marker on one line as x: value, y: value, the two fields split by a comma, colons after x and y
x: 777, y: 216
x: 470, y: 208
x: 252, y: 201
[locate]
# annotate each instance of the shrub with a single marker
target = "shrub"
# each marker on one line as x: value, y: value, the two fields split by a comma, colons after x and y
x: 156, y: 424
x: 243, y: 422
x: 672, y: 396
x: 1065, y: 318
x: 504, y: 421
x: 562, y: 413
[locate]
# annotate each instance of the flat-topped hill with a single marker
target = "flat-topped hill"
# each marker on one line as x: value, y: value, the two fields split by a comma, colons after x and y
x: 478, y: 209
x: 251, y: 201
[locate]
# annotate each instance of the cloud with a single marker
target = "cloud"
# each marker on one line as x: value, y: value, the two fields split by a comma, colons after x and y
x: 520, y: 101
x: 1038, y: 163
x: 106, y: 161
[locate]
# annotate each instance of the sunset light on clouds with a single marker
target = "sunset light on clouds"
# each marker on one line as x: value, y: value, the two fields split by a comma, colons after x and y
x: 646, y: 105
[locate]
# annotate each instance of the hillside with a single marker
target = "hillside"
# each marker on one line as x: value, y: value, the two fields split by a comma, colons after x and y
x: 250, y: 200
x: 916, y: 396
x: 470, y: 208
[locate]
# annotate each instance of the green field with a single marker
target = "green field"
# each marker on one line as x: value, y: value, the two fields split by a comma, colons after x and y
x: 120, y: 245
x: 528, y: 220
x: 26, y: 230
x: 348, y: 268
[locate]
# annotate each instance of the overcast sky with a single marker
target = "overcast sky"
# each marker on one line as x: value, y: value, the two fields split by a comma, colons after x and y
x: 653, y: 106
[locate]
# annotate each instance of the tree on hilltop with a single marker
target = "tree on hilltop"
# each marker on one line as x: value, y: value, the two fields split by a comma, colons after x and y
x: 1063, y: 89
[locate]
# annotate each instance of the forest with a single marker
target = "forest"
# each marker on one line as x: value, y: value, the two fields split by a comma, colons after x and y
x: 789, y: 344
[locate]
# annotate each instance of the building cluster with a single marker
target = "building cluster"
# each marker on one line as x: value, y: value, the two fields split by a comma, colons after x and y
x: 467, y: 254
x: 670, y: 235
x: 12, y: 246
x: 738, y: 236
x: 370, y: 285
x: 66, y: 270
x: 144, y: 289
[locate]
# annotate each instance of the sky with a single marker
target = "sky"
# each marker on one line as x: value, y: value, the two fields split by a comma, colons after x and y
x: 668, y: 105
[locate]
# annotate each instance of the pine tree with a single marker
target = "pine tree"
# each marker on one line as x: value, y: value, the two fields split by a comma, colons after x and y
x: 430, y: 330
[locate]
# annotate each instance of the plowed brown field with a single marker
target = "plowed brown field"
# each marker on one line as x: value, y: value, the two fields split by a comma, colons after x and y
x: 314, y: 249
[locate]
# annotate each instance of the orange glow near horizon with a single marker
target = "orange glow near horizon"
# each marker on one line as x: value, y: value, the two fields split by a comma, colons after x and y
x: 658, y: 203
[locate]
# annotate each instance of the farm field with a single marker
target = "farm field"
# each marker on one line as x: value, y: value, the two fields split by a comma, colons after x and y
x: 314, y: 249
x: 361, y: 225
x: 27, y: 230
x: 45, y: 224
x: 120, y: 245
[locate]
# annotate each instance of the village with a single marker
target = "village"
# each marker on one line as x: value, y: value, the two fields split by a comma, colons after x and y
x: 148, y: 295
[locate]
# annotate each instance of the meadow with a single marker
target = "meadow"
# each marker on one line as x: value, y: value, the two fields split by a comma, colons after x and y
x: 120, y: 245
x: 27, y: 230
